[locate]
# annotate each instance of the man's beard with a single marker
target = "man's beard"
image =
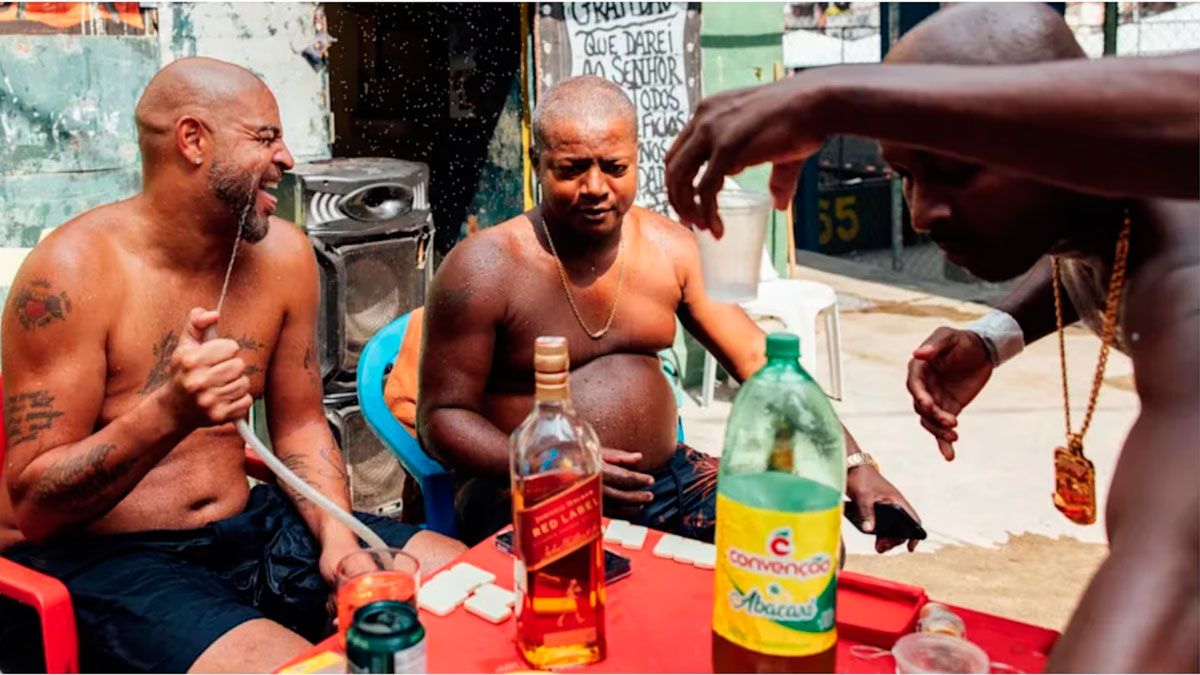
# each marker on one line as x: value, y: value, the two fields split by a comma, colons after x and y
x: 240, y: 193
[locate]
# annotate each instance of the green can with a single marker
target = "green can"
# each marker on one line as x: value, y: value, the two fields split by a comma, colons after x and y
x: 386, y: 637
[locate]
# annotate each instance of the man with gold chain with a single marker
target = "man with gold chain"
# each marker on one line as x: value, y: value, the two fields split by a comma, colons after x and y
x: 612, y: 278
x: 1078, y: 215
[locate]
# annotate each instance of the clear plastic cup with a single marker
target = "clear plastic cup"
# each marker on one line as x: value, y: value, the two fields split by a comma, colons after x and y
x: 372, y: 574
x: 731, y: 265
x: 932, y: 653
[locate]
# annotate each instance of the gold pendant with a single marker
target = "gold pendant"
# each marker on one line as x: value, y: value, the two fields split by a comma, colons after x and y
x: 1075, y: 484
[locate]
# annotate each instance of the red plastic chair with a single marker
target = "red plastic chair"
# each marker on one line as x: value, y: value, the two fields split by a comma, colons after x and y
x: 48, y: 596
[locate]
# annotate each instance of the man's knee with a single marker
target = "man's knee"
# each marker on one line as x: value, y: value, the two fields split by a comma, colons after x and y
x: 255, y: 646
x: 433, y: 550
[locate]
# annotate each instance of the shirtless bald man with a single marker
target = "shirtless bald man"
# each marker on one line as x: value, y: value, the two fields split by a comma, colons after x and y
x: 124, y: 472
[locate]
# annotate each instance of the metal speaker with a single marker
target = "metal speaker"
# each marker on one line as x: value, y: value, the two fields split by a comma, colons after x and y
x: 376, y: 476
x: 370, y: 224
x: 356, y: 197
x: 364, y: 286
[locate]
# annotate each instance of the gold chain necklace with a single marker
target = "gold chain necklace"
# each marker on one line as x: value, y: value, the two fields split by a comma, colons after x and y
x: 1074, y: 474
x: 562, y: 273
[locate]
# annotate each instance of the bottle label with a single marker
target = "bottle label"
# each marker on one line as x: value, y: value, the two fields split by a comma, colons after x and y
x: 560, y: 525
x: 776, y: 578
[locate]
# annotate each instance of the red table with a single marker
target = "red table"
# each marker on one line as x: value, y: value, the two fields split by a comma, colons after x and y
x: 658, y: 621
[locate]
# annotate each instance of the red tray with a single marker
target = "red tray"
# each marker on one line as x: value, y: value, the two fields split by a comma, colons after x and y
x: 876, y: 611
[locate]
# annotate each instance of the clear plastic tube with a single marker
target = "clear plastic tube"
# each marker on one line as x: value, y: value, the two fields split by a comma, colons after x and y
x: 307, y: 490
x: 297, y: 483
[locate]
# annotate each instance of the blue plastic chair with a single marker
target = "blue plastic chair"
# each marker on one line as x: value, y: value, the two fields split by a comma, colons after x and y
x: 437, y: 485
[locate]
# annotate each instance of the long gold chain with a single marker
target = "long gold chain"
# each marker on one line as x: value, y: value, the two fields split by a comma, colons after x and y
x: 562, y: 273
x: 1116, y: 285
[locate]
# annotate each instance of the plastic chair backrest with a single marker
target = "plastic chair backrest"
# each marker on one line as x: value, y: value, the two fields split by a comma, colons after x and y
x: 437, y: 486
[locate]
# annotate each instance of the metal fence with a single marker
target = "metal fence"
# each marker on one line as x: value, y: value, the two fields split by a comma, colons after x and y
x: 1134, y: 28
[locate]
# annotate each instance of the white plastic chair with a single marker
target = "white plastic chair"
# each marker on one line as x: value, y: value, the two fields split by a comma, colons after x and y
x: 799, y: 305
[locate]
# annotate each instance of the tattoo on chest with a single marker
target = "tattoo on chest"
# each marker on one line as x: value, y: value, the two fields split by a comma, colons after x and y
x: 81, y: 481
x: 27, y: 414
x: 37, y: 305
x: 160, y: 371
x: 247, y: 343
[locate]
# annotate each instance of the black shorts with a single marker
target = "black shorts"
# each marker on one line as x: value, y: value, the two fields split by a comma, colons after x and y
x: 154, y: 601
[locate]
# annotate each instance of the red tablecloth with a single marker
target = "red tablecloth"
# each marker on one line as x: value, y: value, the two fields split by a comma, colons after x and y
x: 658, y: 621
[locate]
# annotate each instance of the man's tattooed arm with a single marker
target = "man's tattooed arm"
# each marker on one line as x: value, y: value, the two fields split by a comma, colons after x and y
x: 325, y: 471
x: 82, y: 481
x: 58, y: 487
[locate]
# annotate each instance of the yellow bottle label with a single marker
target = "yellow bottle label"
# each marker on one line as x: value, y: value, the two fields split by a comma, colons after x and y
x: 776, y: 578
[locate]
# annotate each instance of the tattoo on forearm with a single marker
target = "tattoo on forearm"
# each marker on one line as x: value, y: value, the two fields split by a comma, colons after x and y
x: 316, y: 475
x: 160, y: 372
x: 299, y: 466
x: 81, y: 481
x: 27, y: 414
x: 337, y: 464
x: 37, y: 305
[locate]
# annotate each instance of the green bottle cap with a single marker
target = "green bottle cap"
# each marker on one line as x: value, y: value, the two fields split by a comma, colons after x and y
x: 783, y: 346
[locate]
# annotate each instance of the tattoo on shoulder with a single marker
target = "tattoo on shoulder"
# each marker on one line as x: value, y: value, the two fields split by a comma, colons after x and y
x: 37, y: 305
x: 81, y: 481
x: 160, y: 371
x: 27, y: 414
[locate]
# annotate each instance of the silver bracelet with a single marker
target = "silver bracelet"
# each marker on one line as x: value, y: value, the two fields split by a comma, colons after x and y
x: 1001, y: 335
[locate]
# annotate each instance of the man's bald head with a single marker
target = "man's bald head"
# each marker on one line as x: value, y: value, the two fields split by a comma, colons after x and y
x: 989, y: 34
x: 197, y: 86
x: 585, y: 100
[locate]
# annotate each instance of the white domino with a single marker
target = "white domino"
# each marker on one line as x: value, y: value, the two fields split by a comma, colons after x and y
x: 690, y: 551
x: 489, y: 608
x: 440, y: 599
x: 615, y: 530
x: 634, y: 537
x: 469, y: 577
x: 494, y: 592
x: 706, y: 557
x: 666, y: 546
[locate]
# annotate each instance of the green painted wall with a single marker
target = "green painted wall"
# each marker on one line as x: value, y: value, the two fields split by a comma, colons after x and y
x: 740, y: 44
x: 67, y: 136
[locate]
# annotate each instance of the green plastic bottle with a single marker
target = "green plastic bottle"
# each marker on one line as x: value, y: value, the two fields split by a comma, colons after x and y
x: 779, y: 498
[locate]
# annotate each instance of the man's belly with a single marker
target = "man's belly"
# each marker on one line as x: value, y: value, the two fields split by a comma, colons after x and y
x: 203, y: 479
x: 625, y: 397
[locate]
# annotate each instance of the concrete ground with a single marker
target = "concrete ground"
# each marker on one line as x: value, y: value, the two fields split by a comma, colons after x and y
x: 996, y: 542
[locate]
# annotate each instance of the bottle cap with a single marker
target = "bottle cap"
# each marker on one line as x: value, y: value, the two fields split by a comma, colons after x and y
x: 783, y: 346
x: 551, y: 367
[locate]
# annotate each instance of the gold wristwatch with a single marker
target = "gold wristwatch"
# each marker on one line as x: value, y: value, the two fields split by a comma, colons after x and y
x: 860, y: 459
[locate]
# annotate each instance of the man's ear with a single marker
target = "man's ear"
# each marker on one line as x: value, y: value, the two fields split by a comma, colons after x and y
x: 191, y: 139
